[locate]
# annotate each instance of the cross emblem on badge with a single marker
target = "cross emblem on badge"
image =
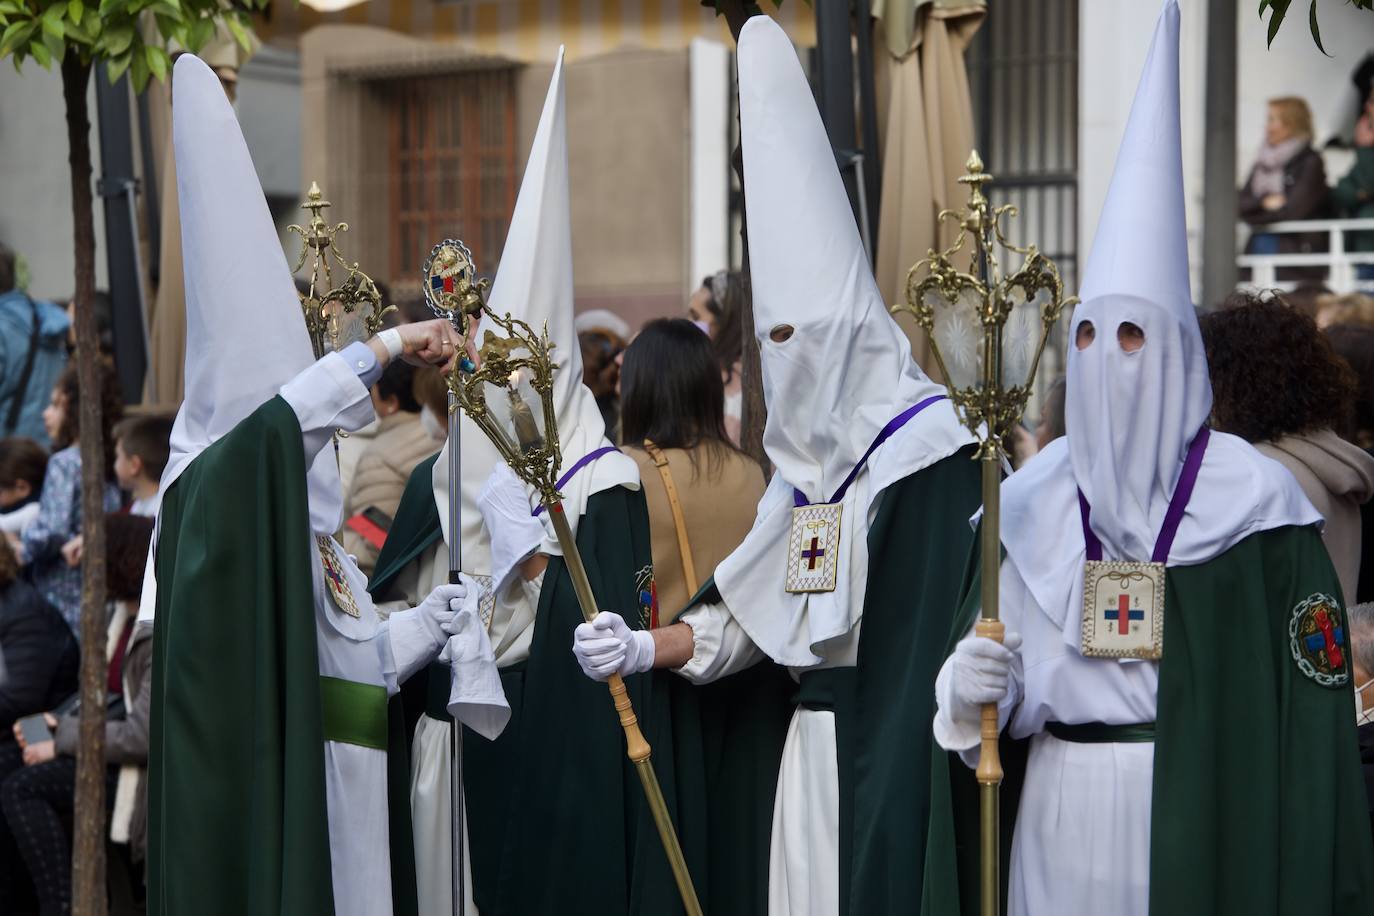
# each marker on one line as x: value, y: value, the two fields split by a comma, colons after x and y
x: 1123, y: 614
x: 813, y: 553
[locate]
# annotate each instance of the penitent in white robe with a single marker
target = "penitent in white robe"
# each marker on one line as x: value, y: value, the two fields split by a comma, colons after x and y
x: 325, y: 397
x: 1084, y: 820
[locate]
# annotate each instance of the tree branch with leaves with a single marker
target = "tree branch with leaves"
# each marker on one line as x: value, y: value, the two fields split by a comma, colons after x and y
x: 137, y: 37
x: 1278, y: 11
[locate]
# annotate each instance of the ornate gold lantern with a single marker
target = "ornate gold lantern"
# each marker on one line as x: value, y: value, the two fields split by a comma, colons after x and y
x: 987, y: 329
x: 335, y: 315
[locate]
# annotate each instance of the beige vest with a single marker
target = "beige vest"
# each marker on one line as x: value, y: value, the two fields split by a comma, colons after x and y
x: 718, y: 499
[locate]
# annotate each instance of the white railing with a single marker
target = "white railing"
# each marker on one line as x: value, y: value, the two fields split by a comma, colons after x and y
x: 1339, y: 263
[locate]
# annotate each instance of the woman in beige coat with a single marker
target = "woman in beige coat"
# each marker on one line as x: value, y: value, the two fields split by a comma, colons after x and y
x: 399, y: 444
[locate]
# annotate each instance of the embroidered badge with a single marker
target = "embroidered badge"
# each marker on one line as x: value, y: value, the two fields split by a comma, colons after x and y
x: 647, y: 589
x: 813, y: 548
x: 335, y: 578
x: 1123, y: 609
x: 1316, y: 637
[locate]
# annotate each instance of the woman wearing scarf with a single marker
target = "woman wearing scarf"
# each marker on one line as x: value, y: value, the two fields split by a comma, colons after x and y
x: 1288, y: 182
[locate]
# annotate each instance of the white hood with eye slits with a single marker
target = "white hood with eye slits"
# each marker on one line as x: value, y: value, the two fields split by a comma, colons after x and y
x: 1130, y: 416
x: 842, y: 375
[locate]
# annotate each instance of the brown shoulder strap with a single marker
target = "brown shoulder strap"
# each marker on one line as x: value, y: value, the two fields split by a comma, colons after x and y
x: 684, y: 546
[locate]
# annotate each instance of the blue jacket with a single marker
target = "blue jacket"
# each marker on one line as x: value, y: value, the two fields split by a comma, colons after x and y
x: 16, y: 331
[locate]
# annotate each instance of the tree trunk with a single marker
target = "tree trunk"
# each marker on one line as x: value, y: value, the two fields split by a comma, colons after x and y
x: 88, y: 833
x: 753, y: 410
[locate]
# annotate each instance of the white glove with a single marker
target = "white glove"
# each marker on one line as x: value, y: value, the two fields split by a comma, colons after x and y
x: 980, y: 672
x: 418, y: 634
x: 515, y: 533
x: 607, y: 646
x: 475, y: 695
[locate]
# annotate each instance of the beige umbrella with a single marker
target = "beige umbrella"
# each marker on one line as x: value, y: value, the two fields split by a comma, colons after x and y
x: 929, y: 132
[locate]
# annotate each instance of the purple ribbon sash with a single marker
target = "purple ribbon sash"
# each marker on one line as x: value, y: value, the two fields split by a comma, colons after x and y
x: 896, y: 423
x: 1192, y: 463
x: 577, y: 466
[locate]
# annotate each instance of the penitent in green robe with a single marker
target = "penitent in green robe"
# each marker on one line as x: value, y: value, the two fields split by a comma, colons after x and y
x: 556, y: 815
x: 883, y: 706
x: 1259, y: 804
x: 237, y: 816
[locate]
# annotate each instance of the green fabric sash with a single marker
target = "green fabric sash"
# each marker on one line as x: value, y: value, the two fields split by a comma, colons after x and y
x: 354, y: 713
x: 1101, y: 733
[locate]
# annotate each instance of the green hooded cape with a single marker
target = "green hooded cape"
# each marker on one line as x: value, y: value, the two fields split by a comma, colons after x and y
x: 237, y: 817
x: 1258, y: 804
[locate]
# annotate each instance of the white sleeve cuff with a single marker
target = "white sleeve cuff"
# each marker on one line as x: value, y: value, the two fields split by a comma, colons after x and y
x: 719, y: 645
x: 327, y: 396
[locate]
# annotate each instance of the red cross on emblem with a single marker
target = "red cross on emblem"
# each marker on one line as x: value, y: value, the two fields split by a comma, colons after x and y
x: 1123, y: 614
x: 813, y: 553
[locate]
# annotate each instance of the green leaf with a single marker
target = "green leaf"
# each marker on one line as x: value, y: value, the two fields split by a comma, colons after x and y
x: 107, y: 7
x: 40, y: 54
x: 52, y: 20
x: 75, y: 10
x: 1277, y: 10
x: 116, y: 66
x: 10, y: 8
x: 117, y: 40
x: 55, y: 45
x: 200, y: 31
x: 16, y: 36
x: 240, y: 34
x: 138, y: 72
x: 1312, y: 23
x: 157, y: 61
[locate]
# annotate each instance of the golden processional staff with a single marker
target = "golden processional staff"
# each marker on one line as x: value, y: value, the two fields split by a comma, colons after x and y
x: 987, y: 331
x: 508, y: 393
x: 453, y: 292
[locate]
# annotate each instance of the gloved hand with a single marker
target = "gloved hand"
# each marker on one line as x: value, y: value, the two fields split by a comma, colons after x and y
x: 476, y: 697
x: 980, y: 672
x: 419, y: 633
x: 607, y: 646
x: 515, y: 532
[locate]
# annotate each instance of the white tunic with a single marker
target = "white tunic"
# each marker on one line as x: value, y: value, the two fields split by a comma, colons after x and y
x: 804, y: 853
x: 1082, y: 840
x: 327, y: 396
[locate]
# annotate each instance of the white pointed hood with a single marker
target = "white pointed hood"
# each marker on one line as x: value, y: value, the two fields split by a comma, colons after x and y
x: 1131, y: 416
x: 245, y: 332
x: 535, y: 284
x: 845, y: 372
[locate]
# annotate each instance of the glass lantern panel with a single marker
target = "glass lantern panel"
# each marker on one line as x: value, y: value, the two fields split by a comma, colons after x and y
x: 1020, y: 337
x: 518, y: 410
x: 958, y: 333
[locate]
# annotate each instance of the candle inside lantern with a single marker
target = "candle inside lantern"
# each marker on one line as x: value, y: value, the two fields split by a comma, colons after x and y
x: 526, y: 431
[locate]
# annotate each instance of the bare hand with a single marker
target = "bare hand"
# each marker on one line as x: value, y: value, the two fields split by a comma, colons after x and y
x: 429, y: 343
x: 1273, y: 201
x: 41, y: 752
x: 71, y: 551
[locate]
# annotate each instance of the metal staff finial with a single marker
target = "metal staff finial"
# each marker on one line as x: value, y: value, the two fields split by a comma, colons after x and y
x: 334, y: 315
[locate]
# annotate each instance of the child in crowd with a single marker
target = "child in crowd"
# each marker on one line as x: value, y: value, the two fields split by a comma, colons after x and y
x: 59, y: 507
x: 141, y: 448
x: 23, y: 462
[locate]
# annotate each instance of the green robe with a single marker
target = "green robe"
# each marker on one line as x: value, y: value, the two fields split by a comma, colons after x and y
x: 555, y: 810
x: 237, y: 816
x: 1258, y: 804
